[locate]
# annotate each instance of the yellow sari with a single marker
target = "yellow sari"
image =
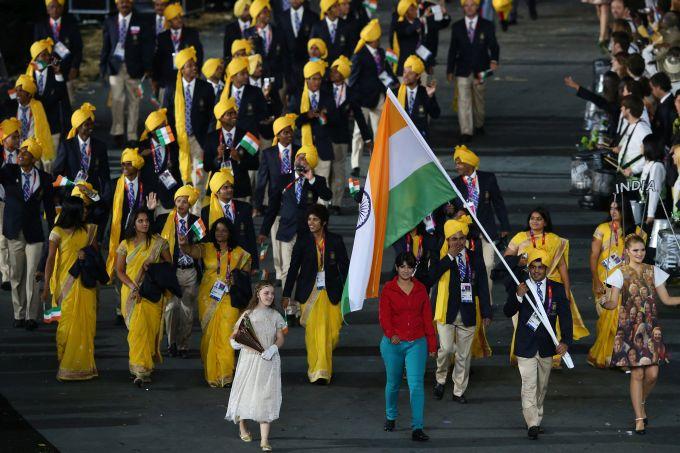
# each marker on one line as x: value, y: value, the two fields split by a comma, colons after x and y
x: 610, y: 259
x: 322, y: 321
x: 218, y: 318
x: 558, y: 249
x: 78, y: 304
x: 144, y: 319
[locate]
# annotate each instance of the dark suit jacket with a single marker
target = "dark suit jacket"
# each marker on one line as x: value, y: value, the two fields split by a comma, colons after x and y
x: 467, y: 58
x: 253, y: 110
x: 423, y: 109
x: 69, y: 35
x: 274, y: 58
x: 67, y: 163
x: 232, y: 32
x: 293, y: 215
x: 409, y: 36
x: 662, y: 125
x: 304, y: 266
x: 296, y: 47
x: 142, y: 191
x: 166, y: 196
x: 26, y: 216
x: 364, y: 80
x: 203, y: 101
x: 341, y: 119
x: 527, y: 341
x: 431, y: 40
x: 321, y: 133
x: 139, y: 46
x: 243, y: 228
x: 164, y: 71
x: 269, y: 173
x: 159, y: 223
x: 212, y: 163
x: 343, y: 44
x: 429, y: 252
x: 56, y: 103
x: 480, y: 287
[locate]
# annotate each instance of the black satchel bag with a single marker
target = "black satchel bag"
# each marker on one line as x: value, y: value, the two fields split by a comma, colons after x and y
x: 240, y: 291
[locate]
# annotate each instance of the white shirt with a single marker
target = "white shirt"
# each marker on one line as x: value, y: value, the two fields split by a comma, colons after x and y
x: 318, y: 97
x: 87, y: 147
x: 661, y: 101
x: 294, y: 14
x: 135, y: 186
x: 290, y: 155
x: 616, y: 278
x: 127, y: 21
x: 175, y: 37
x: 461, y: 255
x: 532, y: 286
x: 471, y: 22
x: 332, y: 24
x: 216, y: 86
x: 227, y: 207
x: 243, y: 25
x: 191, y: 86
x: 411, y: 94
x: 34, y: 178
x: 232, y: 131
x: 160, y: 22
x: 339, y: 93
x: 10, y: 157
x: 40, y: 78
x: 372, y: 50
x: 255, y: 82
x: 29, y: 115
x: 654, y: 174
x: 631, y: 146
x: 235, y: 90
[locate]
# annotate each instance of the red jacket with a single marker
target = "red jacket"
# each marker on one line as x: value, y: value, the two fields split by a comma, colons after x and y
x: 409, y: 316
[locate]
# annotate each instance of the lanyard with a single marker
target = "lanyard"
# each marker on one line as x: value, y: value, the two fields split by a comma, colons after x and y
x: 468, y: 270
x: 615, y: 229
x: 140, y: 189
x: 227, y: 273
x: 321, y: 249
x: 549, y: 297
x: 409, y: 246
x: 533, y: 238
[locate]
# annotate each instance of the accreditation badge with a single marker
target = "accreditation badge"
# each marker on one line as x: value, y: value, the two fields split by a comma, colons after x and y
x: 533, y: 322
x: 321, y: 280
x: 219, y: 289
x: 466, y: 293
x: 167, y: 179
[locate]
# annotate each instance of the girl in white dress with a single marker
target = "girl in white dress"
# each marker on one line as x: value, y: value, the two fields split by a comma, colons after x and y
x: 256, y: 390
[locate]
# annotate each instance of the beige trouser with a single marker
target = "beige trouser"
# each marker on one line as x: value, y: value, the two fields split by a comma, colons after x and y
x: 199, y: 177
x: 4, y: 250
x: 179, y: 312
x: 489, y: 257
x: 23, y: 262
x: 470, y: 104
x: 372, y: 117
x: 535, y: 374
x: 47, y: 164
x: 122, y: 86
x: 323, y: 168
x: 71, y: 90
x: 454, y: 339
x: 338, y: 173
x: 281, y: 253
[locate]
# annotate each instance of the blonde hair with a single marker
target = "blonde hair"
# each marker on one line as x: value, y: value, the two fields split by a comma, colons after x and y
x: 256, y: 292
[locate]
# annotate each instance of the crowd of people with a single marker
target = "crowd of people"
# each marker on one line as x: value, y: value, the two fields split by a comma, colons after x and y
x: 265, y: 129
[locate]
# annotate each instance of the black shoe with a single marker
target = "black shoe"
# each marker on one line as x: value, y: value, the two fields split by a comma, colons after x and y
x: 533, y: 432
x: 465, y: 138
x: 389, y: 425
x: 31, y: 324
x: 438, y: 391
x: 6, y: 286
x: 504, y: 25
x: 459, y: 399
x: 278, y: 283
x: 120, y: 321
x: 646, y: 421
x: 480, y: 131
x: 119, y: 140
x: 512, y: 21
x: 184, y: 353
x: 533, y: 14
x: 419, y: 436
x: 172, y: 350
x: 19, y: 323
x: 356, y: 171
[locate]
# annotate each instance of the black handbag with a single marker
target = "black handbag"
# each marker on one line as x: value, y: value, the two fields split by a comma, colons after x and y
x: 240, y: 291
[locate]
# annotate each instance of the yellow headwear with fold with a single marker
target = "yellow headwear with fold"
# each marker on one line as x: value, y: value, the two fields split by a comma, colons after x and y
x: 476, y: 2
x: 33, y: 146
x: 223, y: 107
x: 84, y: 113
x: 538, y: 254
x: 169, y: 228
x: 370, y: 32
x: 451, y: 227
x: 39, y: 46
x: 416, y: 65
x: 310, y: 153
x: 132, y: 155
x: 311, y: 68
x: 156, y: 119
x: 220, y: 178
x: 403, y: 6
x: 12, y: 125
x: 281, y: 123
x: 182, y: 57
x: 40, y: 125
x: 319, y: 44
x: 240, y: 7
x: 84, y: 193
x: 61, y: 2
x: 325, y: 6
x: 171, y: 11
x: 466, y: 156
x: 256, y: 8
x: 187, y: 191
x: 241, y: 44
x: 210, y: 66
x: 502, y: 7
x: 236, y: 65
x: 26, y: 83
x: 253, y: 61
x: 343, y: 65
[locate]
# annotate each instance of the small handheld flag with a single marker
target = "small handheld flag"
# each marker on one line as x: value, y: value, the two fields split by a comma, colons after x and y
x: 164, y: 135
x: 264, y: 249
x: 391, y: 56
x: 354, y: 186
x: 199, y: 230
x: 52, y: 314
x: 12, y: 94
x: 323, y: 120
x: 250, y: 143
x: 371, y: 5
x: 61, y: 181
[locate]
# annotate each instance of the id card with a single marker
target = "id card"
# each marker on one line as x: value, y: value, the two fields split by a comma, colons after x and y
x: 466, y: 293
x: 81, y: 176
x: 533, y: 322
x: 219, y: 289
x: 174, y: 64
x: 321, y: 280
x: 386, y: 78
x: 167, y: 179
x: 423, y: 52
x: 226, y: 164
x: 437, y: 12
x: 119, y: 51
x: 61, y: 50
x: 611, y: 262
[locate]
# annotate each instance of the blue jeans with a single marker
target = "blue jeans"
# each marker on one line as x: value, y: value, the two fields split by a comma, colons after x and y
x: 414, y: 355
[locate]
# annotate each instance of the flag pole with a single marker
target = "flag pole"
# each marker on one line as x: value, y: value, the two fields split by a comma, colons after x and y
x: 538, y: 308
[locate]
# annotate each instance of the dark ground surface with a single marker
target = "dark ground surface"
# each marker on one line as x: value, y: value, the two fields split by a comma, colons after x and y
x: 533, y: 122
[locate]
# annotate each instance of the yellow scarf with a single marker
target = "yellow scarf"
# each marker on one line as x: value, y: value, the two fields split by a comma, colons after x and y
x: 396, y: 50
x: 169, y: 228
x: 216, y: 211
x: 42, y: 128
x: 401, y: 95
x: 116, y: 219
x: 182, y: 137
x: 306, y: 129
x: 442, y: 302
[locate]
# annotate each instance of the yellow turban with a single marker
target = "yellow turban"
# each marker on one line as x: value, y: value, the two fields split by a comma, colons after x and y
x: 12, y: 125
x: 477, y: 2
x: 132, y: 155
x: 84, y: 113
x: 223, y: 107
x: 220, y: 178
x: 187, y: 191
x: 416, y: 65
x: 403, y: 6
x: 156, y: 119
x: 241, y: 44
x: 86, y: 193
x: 256, y: 8
x: 253, y: 61
x: 210, y: 67
x: 320, y: 44
x: 311, y: 155
x: 310, y: 69
x: 33, y: 146
x: 26, y: 83
x: 343, y: 65
x: 370, y: 32
x: 314, y: 67
x: 538, y: 254
x: 283, y: 122
x: 325, y: 6
x: 453, y: 226
x: 466, y: 156
x: 182, y: 57
x: 39, y: 46
x: 236, y: 65
x: 173, y: 10
x: 240, y: 7
x: 61, y: 2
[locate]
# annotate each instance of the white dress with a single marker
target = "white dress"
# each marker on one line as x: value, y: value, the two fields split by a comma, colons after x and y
x: 256, y: 389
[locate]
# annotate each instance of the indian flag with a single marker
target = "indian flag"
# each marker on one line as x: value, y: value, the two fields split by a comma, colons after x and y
x: 61, y: 181
x: 12, y: 94
x: 371, y: 5
x: 405, y: 183
x: 354, y: 186
x: 391, y: 56
x: 165, y: 135
x: 250, y: 143
x: 198, y: 228
x: 52, y: 315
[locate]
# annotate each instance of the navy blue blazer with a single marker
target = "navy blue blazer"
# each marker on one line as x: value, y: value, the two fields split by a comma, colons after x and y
x: 55, y: 101
x: 164, y: 71
x: 67, y: 163
x: 424, y: 108
x: 254, y: 109
x: 343, y: 44
x: 140, y: 43
x: 212, y: 163
x: 527, y: 341
x: 243, y: 228
x: 409, y: 36
x: 69, y: 35
x: 274, y: 60
x: 203, y: 102
x: 269, y: 173
x: 467, y: 57
x: 364, y: 80
x: 166, y: 196
x: 321, y: 133
x: 232, y: 32
x: 341, y: 119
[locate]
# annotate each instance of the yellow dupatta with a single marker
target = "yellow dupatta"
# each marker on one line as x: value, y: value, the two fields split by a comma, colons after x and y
x: 442, y: 303
x: 116, y: 219
x: 168, y: 232
x: 42, y: 128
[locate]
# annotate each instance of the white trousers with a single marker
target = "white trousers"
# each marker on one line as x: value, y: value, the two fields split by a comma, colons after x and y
x: 124, y: 87
x: 372, y: 116
x: 454, y: 339
x: 535, y: 374
x: 23, y: 261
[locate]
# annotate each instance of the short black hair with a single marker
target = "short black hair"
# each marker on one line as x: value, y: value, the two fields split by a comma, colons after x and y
x: 319, y: 211
x: 633, y: 104
x: 548, y: 228
x: 405, y: 258
x: 621, y: 38
x: 661, y: 80
x: 652, y: 149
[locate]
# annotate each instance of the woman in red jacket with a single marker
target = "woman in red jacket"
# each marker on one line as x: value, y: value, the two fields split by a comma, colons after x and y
x: 406, y: 320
